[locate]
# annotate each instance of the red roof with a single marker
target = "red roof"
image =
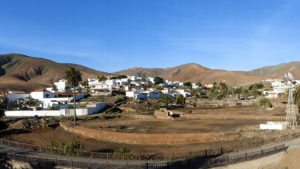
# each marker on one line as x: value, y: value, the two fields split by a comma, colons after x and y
x: 39, y: 90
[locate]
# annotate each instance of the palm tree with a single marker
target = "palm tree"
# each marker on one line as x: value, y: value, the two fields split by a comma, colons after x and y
x: 54, y: 88
x: 73, y: 78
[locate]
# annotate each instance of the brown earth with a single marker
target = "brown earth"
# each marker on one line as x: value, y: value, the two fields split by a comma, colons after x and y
x: 194, y: 73
x: 277, y: 71
x: 20, y: 72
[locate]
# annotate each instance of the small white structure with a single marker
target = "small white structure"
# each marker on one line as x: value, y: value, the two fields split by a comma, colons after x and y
x: 62, y: 112
x: 184, y: 92
x: 61, y: 85
x: 40, y: 94
x: 271, y: 125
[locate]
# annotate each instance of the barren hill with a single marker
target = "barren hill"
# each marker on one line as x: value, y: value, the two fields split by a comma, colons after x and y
x: 277, y: 71
x: 193, y: 72
x: 20, y: 72
x: 139, y: 71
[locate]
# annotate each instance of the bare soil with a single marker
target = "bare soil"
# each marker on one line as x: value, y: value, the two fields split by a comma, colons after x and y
x: 43, y: 136
x: 159, y: 126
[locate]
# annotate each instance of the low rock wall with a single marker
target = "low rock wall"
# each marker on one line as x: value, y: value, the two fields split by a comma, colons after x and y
x: 146, y: 139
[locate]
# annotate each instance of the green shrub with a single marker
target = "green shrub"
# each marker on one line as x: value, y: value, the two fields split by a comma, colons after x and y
x: 155, y: 106
x: 264, y: 103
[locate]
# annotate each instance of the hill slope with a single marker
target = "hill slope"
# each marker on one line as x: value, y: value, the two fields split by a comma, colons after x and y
x: 277, y: 71
x: 20, y: 72
x: 193, y: 72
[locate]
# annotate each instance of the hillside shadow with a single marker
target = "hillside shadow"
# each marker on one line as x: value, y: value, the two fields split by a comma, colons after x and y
x: 13, y: 131
x: 2, y: 71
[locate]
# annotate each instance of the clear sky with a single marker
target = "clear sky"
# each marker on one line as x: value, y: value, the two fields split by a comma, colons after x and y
x: 111, y: 35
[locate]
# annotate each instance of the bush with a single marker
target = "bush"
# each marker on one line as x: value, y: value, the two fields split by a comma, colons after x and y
x: 69, y: 147
x: 264, y: 103
x: 155, y: 106
x: 119, y: 98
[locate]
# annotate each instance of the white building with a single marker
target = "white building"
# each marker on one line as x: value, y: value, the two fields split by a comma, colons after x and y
x: 143, y: 95
x: 40, y: 94
x: 15, y: 95
x: 184, y: 92
x: 61, y: 85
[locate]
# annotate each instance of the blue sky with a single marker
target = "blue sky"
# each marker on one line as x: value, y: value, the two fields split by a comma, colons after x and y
x: 110, y: 35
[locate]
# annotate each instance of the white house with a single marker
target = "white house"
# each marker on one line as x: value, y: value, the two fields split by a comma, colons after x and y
x: 40, y: 94
x: 168, y: 91
x: 95, y: 108
x: 61, y: 85
x: 15, y: 95
x: 136, y: 95
x: 183, y: 92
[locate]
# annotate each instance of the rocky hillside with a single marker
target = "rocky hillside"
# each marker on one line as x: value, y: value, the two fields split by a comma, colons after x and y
x: 193, y: 72
x: 277, y: 71
x: 20, y: 72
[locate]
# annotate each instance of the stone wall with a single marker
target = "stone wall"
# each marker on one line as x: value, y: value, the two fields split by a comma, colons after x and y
x: 146, y: 139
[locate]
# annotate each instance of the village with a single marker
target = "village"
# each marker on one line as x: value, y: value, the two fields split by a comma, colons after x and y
x: 49, y: 101
x: 134, y: 118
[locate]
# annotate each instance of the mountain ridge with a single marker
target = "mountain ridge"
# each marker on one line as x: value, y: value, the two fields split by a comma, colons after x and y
x: 22, y: 72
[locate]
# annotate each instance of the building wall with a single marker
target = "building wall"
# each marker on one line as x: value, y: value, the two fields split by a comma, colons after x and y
x: 14, y: 96
x: 63, y: 112
x: 39, y: 113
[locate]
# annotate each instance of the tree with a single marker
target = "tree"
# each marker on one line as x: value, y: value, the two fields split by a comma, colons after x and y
x: 121, y: 77
x: 213, y: 91
x: 73, y: 78
x: 188, y: 84
x: 238, y: 91
x: 3, y: 107
x: 199, y: 84
x: 223, y: 90
x: 102, y: 78
x: 180, y: 100
x: 54, y: 87
x: 85, y: 84
x: 166, y: 100
x: 128, y: 81
x: 245, y: 93
x: 67, y: 88
x: 297, y: 95
x: 32, y: 102
x: 158, y: 80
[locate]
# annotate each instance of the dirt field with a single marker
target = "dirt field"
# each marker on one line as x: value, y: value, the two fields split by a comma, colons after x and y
x: 157, y: 126
x: 179, y: 125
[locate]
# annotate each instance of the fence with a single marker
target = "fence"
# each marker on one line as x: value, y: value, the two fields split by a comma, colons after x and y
x: 192, y: 162
x: 113, y: 156
x: 231, y: 159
